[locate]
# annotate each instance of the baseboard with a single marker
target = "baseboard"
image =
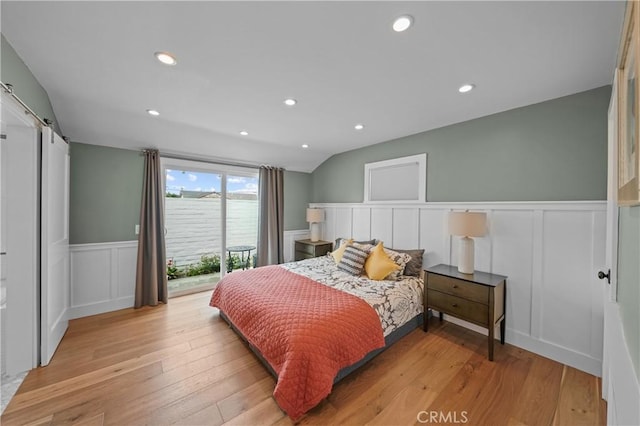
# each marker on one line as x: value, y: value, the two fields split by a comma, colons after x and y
x: 557, y: 353
x: 101, y: 307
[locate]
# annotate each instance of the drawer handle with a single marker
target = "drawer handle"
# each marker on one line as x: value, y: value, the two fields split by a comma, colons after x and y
x: 455, y: 305
x: 455, y: 286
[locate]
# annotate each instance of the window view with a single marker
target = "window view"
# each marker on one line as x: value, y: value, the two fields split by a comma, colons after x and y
x: 203, y: 243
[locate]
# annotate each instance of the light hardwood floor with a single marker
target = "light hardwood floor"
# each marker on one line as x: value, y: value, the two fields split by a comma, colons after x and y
x: 181, y: 364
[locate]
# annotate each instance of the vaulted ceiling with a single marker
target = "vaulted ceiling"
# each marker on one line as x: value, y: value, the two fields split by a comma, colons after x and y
x: 238, y: 61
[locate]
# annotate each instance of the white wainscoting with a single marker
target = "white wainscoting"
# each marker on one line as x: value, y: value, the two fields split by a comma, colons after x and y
x: 103, y: 277
x: 551, y: 252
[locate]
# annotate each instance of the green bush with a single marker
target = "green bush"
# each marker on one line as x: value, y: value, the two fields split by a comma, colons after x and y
x: 210, y: 264
x: 207, y: 265
x: 172, y: 272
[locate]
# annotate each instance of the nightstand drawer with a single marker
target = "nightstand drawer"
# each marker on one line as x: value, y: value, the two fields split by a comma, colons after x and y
x: 301, y: 255
x: 310, y: 249
x: 461, y: 308
x: 455, y: 287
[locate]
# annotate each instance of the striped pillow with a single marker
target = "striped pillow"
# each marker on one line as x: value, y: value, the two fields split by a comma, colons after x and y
x: 353, y: 260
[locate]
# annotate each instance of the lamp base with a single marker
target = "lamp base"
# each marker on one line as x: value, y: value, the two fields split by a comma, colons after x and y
x: 315, y: 232
x: 465, y: 255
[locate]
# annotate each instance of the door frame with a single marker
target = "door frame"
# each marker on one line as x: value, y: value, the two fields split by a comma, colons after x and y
x: 620, y: 387
x: 172, y: 163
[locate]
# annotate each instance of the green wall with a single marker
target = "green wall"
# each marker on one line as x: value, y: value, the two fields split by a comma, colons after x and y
x: 25, y: 86
x: 297, y: 195
x: 551, y: 151
x: 106, y: 191
x: 629, y: 280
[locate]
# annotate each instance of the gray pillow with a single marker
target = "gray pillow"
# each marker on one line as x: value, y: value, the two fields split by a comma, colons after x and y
x: 353, y: 260
x: 339, y: 241
x: 414, y: 267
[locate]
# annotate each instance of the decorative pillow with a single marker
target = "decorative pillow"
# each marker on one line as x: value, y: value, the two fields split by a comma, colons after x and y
x: 353, y: 260
x: 400, y: 259
x: 378, y: 265
x: 337, y: 253
x: 414, y: 267
x: 339, y: 241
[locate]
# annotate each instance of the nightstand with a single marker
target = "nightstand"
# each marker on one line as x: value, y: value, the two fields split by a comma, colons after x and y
x: 306, y: 249
x: 479, y: 298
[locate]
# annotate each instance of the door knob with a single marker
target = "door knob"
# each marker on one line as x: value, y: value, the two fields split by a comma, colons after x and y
x: 602, y: 275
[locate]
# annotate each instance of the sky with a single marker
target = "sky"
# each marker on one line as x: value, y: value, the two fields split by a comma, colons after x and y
x: 199, y: 181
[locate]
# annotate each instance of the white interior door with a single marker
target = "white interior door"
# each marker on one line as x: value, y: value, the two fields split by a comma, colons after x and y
x: 55, y: 278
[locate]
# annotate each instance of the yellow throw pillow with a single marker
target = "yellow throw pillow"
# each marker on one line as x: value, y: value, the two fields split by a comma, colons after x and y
x: 337, y: 253
x: 378, y: 264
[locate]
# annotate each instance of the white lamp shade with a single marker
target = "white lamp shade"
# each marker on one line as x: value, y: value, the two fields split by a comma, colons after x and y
x: 467, y: 224
x: 315, y: 215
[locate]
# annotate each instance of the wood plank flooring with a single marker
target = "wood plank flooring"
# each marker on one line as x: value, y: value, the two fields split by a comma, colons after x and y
x: 181, y: 364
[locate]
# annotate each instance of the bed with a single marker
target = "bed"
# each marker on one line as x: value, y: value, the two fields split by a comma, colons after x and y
x: 312, y: 324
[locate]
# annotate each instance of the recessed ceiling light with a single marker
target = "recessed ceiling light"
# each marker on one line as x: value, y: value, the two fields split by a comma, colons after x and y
x: 166, y: 58
x: 153, y: 112
x: 290, y: 102
x: 359, y: 126
x: 402, y: 23
x: 244, y: 133
x: 305, y: 146
x: 466, y: 88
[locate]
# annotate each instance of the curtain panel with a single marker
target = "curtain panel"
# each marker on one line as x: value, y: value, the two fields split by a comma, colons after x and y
x: 271, y: 216
x: 151, y: 274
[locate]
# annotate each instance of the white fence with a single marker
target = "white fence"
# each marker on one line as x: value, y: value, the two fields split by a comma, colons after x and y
x: 194, y: 227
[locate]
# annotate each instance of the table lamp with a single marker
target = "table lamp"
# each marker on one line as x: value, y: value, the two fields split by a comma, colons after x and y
x: 466, y: 225
x: 314, y: 217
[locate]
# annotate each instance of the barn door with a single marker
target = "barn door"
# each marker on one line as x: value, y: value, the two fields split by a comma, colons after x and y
x: 55, y: 278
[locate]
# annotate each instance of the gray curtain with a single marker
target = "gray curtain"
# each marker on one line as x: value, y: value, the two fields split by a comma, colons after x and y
x: 271, y: 218
x: 151, y: 274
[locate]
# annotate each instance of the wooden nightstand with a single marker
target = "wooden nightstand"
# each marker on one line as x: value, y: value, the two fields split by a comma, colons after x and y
x: 306, y: 249
x: 479, y: 298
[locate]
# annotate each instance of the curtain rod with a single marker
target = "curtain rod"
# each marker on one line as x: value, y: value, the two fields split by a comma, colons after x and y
x: 207, y: 160
x: 8, y: 88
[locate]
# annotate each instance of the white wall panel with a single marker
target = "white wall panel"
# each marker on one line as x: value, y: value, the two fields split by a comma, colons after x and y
x: 343, y: 223
x: 433, y: 238
x: 566, y: 289
x: 405, y: 228
x: 361, y: 223
x: 382, y: 223
x: 509, y: 230
x: 329, y: 224
x: 102, y: 277
x: 125, y: 271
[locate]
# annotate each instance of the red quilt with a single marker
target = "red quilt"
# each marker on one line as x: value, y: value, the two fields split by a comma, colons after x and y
x: 305, y: 330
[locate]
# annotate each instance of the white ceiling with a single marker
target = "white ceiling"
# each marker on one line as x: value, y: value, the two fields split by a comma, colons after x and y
x: 238, y: 61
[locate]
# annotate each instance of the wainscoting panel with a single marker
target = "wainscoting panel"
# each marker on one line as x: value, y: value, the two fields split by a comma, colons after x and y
x: 361, y: 223
x: 405, y: 222
x: 551, y: 252
x: 102, y: 277
x: 382, y: 224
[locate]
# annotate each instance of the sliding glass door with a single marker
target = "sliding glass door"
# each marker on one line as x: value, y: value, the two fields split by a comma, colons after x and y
x: 211, y: 222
